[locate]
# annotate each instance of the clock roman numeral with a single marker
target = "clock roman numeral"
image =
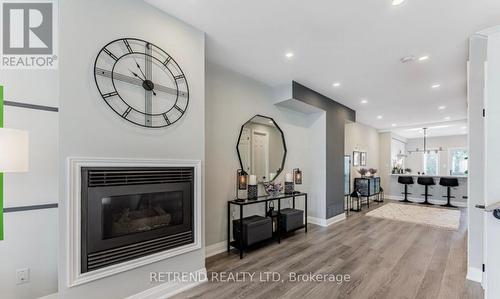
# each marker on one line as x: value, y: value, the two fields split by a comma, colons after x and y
x: 110, y: 54
x: 126, y: 113
x: 127, y: 45
x: 180, y: 77
x: 110, y: 94
x: 166, y: 119
x: 167, y: 60
x: 179, y: 109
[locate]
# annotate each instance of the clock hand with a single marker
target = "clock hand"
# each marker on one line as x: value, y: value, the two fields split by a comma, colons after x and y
x: 139, y: 67
x: 135, y: 75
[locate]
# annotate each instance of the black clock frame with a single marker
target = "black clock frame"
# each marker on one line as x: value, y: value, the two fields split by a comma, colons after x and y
x: 282, y: 138
x: 153, y: 57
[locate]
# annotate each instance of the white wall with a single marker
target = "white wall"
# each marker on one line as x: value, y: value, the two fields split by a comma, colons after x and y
x: 89, y: 128
x: 363, y: 138
x: 385, y: 165
x: 30, y: 237
x: 231, y: 100
x: 415, y: 161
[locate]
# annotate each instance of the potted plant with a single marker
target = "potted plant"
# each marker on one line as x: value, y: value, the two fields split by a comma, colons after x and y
x: 363, y: 172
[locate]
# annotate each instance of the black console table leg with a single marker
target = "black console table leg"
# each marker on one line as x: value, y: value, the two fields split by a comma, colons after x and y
x: 241, y: 231
x: 305, y: 208
x: 278, y: 222
x: 228, y: 227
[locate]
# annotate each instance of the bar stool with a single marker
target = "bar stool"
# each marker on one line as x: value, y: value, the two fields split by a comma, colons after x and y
x: 406, y: 180
x: 449, y: 183
x: 426, y: 181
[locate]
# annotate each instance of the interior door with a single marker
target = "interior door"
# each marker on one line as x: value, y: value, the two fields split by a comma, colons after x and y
x: 492, y: 165
x: 260, y: 151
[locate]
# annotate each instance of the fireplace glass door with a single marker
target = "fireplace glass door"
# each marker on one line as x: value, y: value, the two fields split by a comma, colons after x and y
x: 137, y: 213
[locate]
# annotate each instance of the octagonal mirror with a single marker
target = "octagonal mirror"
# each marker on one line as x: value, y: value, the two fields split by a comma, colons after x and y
x: 261, y: 148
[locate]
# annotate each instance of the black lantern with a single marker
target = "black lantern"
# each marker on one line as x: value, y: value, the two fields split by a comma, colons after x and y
x: 297, y: 176
x: 242, y: 179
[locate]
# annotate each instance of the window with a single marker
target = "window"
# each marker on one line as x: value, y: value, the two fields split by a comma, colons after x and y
x: 431, y: 163
x: 458, y: 161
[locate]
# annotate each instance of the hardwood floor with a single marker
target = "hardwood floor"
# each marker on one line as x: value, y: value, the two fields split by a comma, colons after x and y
x: 384, y: 258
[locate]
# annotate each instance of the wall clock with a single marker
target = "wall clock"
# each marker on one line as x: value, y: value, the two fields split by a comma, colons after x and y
x: 141, y: 82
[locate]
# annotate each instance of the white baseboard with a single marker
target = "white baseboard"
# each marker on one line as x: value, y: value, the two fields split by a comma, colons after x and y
x: 326, y: 222
x: 216, y: 248
x: 169, y: 289
x: 417, y: 200
x: 50, y: 296
x: 475, y: 274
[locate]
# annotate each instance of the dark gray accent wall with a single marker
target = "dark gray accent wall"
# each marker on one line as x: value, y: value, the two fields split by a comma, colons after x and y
x: 336, y: 117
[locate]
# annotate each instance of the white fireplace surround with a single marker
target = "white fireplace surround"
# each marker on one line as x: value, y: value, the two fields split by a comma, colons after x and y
x: 73, y: 215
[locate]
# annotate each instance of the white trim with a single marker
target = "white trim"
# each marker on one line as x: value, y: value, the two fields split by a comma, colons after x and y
x: 169, y: 289
x: 73, y: 246
x: 216, y: 248
x: 489, y: 31
x: 417, y: 200
x: 475, y: 274
x: 50, y: 296
x: 326, y: 222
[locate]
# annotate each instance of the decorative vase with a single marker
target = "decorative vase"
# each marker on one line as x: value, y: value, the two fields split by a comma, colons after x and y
x: 252, y: 192
x: 289, y: 187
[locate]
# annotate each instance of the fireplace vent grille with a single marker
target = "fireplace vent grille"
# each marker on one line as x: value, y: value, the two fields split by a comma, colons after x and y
x: 126, y: 176
x: 117, y: 255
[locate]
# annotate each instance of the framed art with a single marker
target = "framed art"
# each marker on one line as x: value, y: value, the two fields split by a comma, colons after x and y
x: 362, y: 158
x: 355, y: 158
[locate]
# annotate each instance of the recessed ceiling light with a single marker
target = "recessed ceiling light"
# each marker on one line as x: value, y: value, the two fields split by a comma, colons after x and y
x: 336, y: 84
x: 379, y: 117
x: 289, y: 55
x: 436, y: 85
x: 364, y: 101
x: 447, y: 118
x: 423, y: 58
x: 397, y: 2
x: 394, y: 125
x: 442, y: 107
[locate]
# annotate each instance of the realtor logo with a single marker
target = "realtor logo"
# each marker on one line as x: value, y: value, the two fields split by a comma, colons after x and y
x: 28, y: 35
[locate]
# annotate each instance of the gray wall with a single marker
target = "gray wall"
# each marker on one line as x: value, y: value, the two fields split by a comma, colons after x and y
x: 231, y: 100
x: 336, y: 117
x: 89, y: 128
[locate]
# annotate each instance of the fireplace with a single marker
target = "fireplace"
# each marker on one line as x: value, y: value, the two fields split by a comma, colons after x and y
x: 131, y: 212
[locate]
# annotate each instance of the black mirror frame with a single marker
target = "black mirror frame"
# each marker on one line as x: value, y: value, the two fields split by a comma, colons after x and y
x: 282, y: 138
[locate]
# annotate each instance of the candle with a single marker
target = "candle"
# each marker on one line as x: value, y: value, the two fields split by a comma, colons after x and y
x: 288, y: 177
x: 253, y: 180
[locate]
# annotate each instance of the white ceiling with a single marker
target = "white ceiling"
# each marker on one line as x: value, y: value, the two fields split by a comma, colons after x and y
x: 433, y: 129
x: 358, y: 43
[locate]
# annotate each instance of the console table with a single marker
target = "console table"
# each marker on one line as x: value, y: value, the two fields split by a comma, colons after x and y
x: 262, y: 200
x: 367, y: 187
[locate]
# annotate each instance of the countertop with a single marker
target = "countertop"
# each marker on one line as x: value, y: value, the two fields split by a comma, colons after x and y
x: 434, y: 176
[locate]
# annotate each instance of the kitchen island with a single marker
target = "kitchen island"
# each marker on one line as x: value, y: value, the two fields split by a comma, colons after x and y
x: 438, y: 192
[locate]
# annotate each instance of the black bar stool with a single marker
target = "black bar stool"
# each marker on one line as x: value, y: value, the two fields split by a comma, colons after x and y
x: 449, y: 183
x: 406, y: 180
x: 426, y: 181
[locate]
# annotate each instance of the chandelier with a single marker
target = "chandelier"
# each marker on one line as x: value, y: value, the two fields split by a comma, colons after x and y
x: 425, y: 150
